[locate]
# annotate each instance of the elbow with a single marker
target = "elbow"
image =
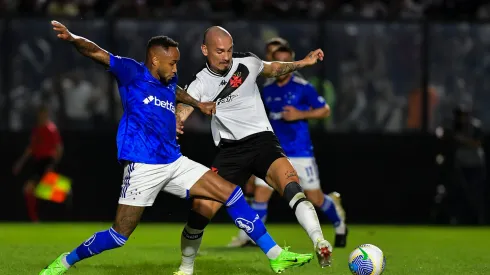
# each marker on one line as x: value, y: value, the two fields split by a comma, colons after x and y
x: 326, y: 111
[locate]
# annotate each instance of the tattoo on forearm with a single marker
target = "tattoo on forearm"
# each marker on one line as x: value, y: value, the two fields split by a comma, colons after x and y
x: 184, y: 97
x: 284, y: 68
x: 183, y: 110
x: 90, y: 49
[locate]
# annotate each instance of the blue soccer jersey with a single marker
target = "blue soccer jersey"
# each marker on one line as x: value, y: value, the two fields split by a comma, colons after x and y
x: 147, y: 132
x: 294, y: 136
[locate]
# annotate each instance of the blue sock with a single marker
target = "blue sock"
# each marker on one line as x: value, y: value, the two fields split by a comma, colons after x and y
x: 99, y: 242
x: 261, y: 209
x: 248, y: 220
x: 328, y: 207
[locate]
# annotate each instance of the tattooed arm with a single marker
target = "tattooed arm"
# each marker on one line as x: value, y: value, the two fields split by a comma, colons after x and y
x: 207, y: 108
x: 83, y: 45
x: 275, y: 69
x: 183, y: 111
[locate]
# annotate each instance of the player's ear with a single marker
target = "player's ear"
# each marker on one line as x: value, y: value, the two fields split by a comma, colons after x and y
x: 154, y: 61
x: 204, y: 50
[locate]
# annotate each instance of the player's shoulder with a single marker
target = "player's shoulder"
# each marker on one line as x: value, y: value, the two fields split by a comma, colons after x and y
x: 246, y: 58
x: 197, y: 78
x: 244, y: 55
x: 300, y: 80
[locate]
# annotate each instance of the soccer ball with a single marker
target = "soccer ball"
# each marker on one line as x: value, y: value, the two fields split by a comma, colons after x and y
x: 367, y: 259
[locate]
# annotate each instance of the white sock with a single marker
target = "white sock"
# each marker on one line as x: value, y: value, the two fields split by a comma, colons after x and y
x: 274, y: 252
x: 340, y: 229
x: 307, y: 217
x: 190, y: 241
x: 65, y: 263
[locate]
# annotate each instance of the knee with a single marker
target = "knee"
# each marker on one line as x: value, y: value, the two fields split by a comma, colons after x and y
x: 293, y: 193
x: 197, y: 221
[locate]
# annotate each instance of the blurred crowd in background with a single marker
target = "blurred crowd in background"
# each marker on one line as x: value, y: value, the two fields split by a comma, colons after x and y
x: 251, y: 8
x: 372, y: 77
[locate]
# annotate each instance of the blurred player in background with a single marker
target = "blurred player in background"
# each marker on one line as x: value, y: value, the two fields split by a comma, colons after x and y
x: 40, y: 157
x: 290, y: 101
x: 147, y: 145
x: 241, y: 130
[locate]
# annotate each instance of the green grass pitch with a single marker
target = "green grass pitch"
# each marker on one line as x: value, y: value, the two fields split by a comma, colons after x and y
x: 154, y: 249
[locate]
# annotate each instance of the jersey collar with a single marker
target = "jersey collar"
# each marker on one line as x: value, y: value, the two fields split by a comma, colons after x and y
x: 217, y: 74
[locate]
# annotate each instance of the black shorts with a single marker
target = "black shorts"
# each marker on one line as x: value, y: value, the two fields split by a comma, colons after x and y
x: 34, y: 169
x: 237, y: 160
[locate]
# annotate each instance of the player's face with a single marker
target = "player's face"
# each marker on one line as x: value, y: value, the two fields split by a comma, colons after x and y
x: 270, y: 50
x: 167, y: 65
x: 219, y: 53
x: 283, y: 57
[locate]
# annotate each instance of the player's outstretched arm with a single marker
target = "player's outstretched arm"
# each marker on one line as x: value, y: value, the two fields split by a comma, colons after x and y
x: 183, y: 111
x: 274, y: 69
x: 83, y: 45
x: 207, y: 108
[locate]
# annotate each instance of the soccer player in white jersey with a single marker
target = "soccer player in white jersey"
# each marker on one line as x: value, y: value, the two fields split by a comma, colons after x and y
x: 147, y: 145
x: 290, y: 101
x: 243, y: 133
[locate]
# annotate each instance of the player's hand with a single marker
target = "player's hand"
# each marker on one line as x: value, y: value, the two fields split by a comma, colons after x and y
x: 313, y: 57
x: 291, y: 114
x: 63, y: 32
x: 180, y: 126
x: 208, y: 108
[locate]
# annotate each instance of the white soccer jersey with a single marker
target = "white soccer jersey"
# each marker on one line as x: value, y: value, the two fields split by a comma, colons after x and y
x: 239, y: 108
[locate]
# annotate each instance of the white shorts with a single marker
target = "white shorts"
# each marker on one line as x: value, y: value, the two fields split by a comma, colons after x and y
x: 307, y: 172
x: 142, y: 182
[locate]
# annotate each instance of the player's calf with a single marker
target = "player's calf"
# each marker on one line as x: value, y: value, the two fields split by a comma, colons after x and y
x: 216, y: 188
x: 127, y: 218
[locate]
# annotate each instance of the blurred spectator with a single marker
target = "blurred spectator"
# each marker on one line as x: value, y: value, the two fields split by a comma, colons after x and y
x: 62, y: 8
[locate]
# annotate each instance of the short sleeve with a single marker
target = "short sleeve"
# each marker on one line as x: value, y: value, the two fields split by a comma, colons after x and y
x: 313, y: 98
x: 195, y: 89
x: 123, y: 68
x: 253, y: 62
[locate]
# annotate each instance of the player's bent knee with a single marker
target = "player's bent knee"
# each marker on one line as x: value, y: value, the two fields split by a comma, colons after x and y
x: 293, y: 193
x: 213, y: 187
x: 197, y: 221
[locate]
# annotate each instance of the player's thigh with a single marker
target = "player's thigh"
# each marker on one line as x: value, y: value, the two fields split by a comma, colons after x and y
x: 192, y: 179
x: 307, y: 170
x: 268, y: 151
x: 233, y: 164
x: 280, y: 174
x: 143, y: 182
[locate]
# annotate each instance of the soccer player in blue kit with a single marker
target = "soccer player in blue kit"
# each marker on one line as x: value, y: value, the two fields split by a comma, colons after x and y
x: 290, y: 101
x: 147, y: 146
